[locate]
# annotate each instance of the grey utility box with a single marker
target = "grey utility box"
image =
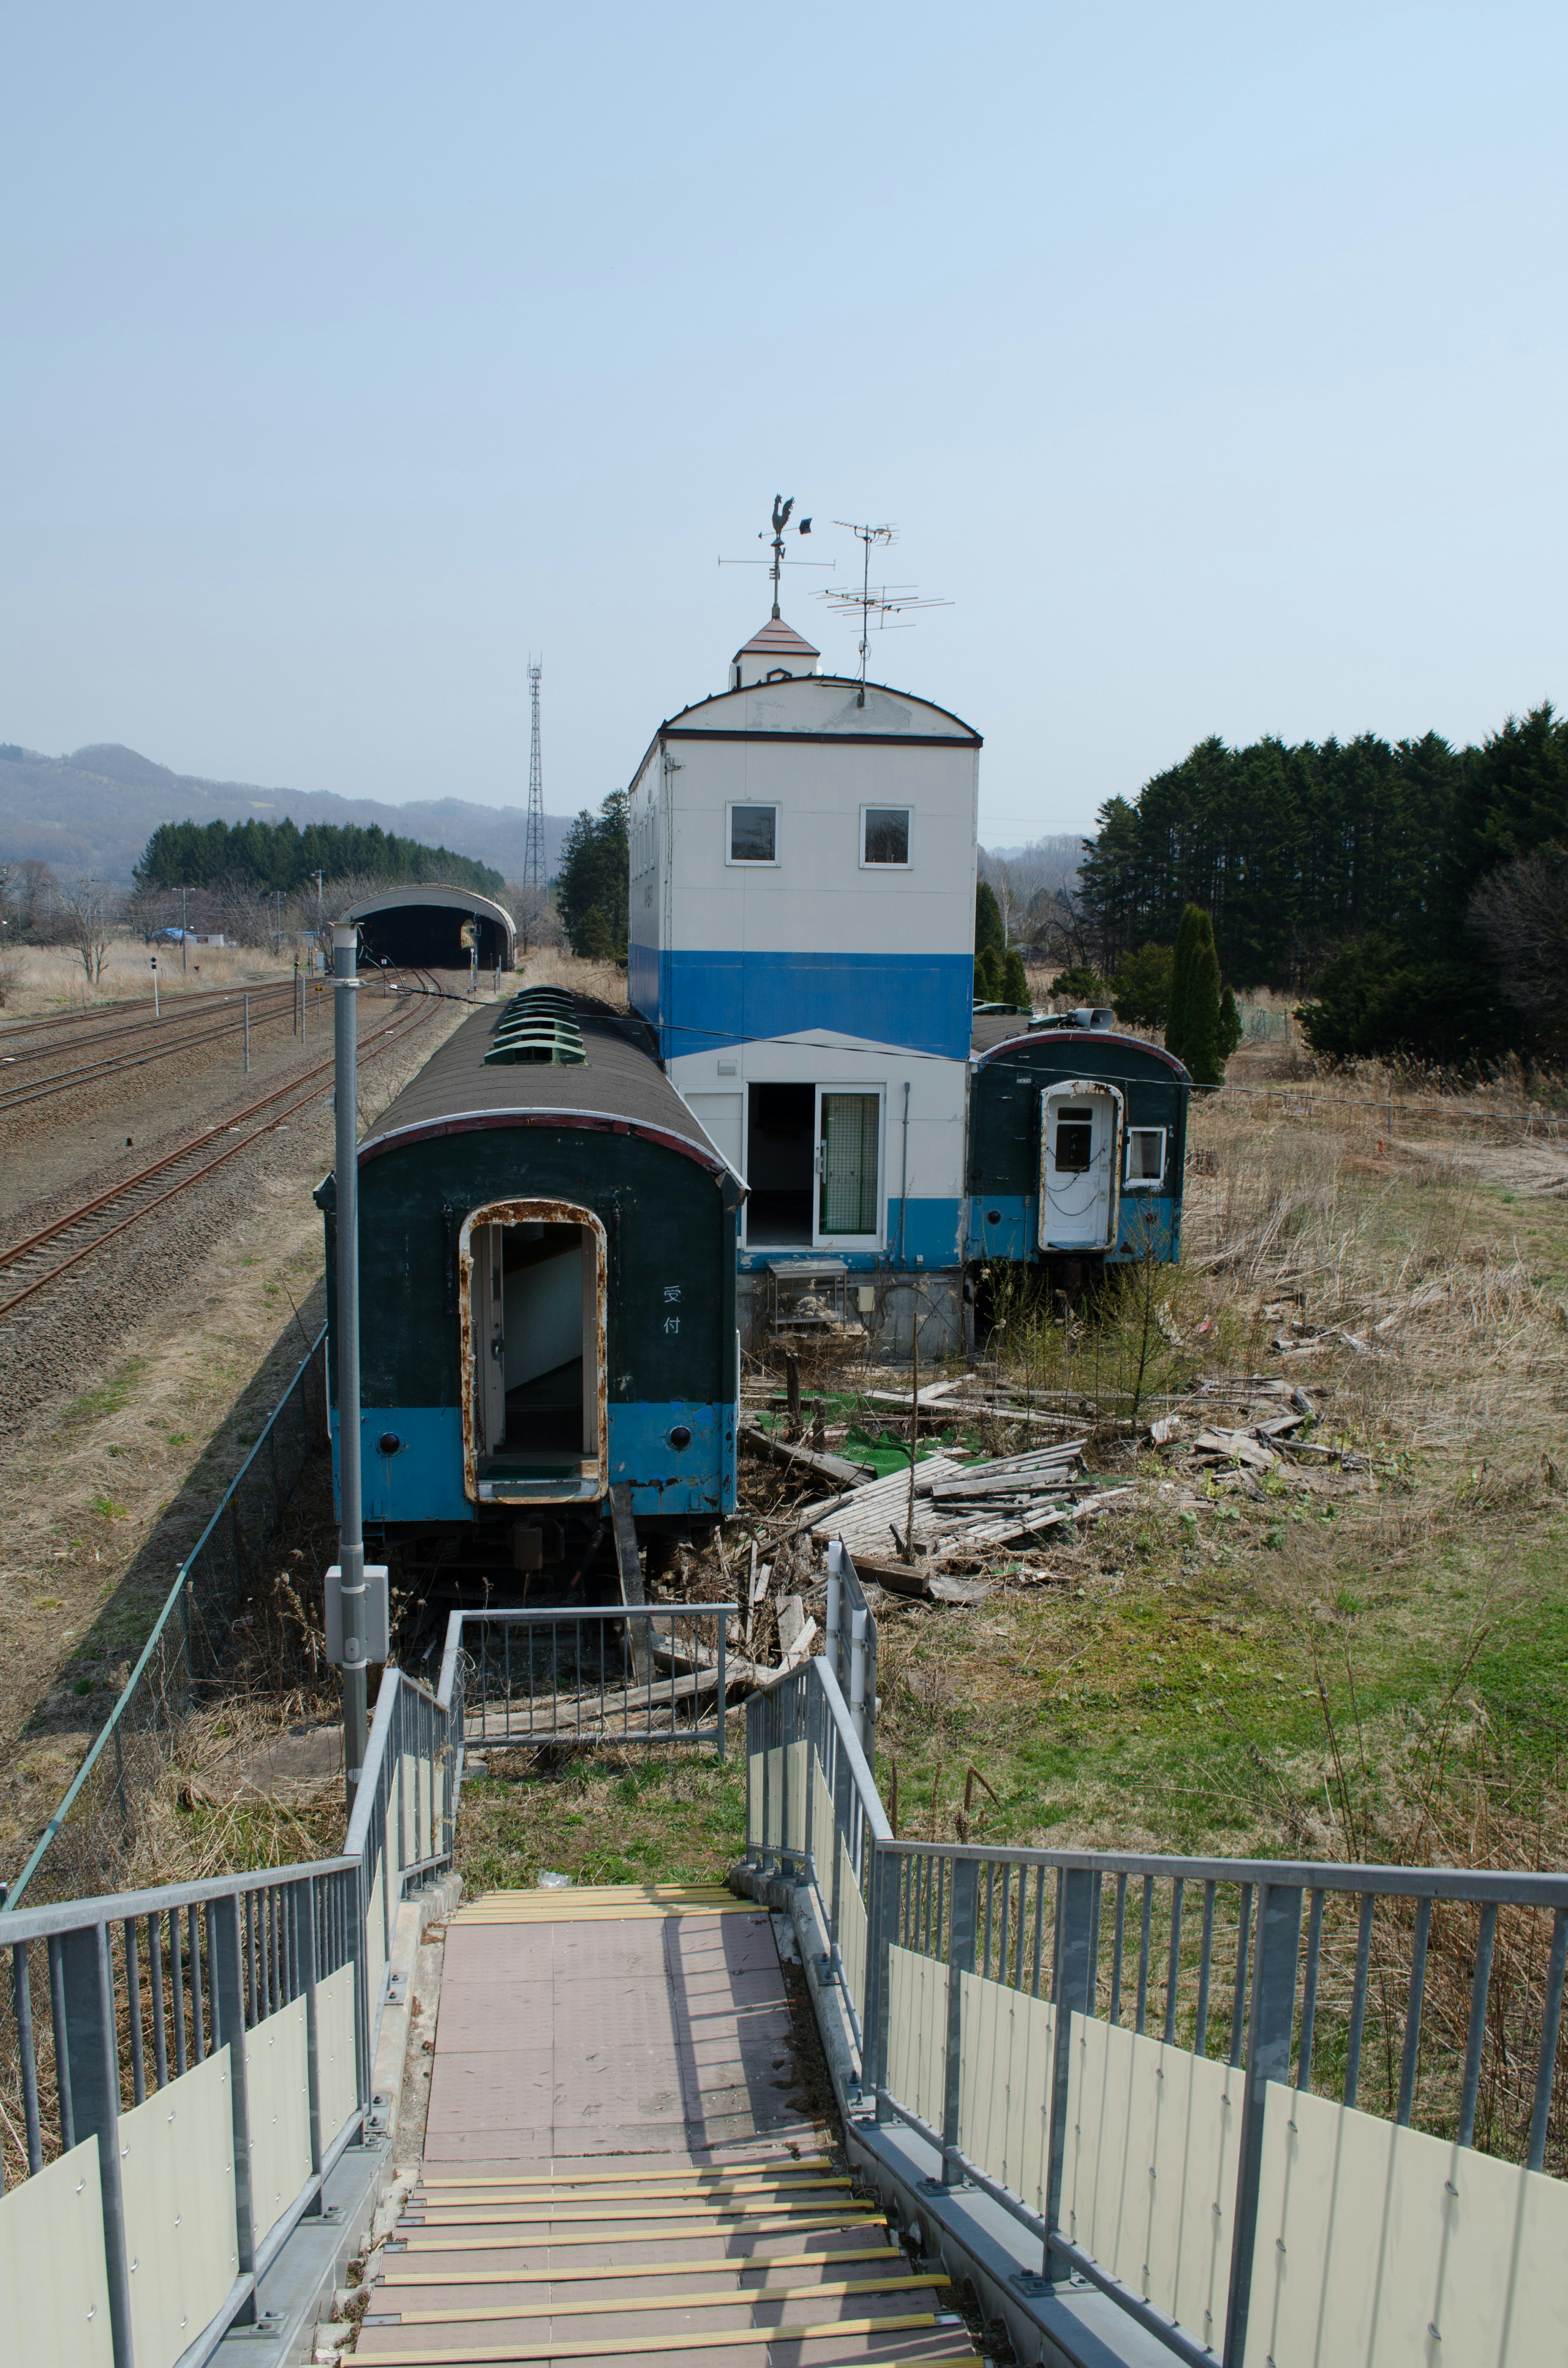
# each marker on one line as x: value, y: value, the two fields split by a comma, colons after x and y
x: 378, y: 1622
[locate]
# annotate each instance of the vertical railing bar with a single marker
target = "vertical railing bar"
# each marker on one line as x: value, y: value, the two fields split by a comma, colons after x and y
x: 1145, y: 1937
x: 1551, y: 2017
x: 133, y: 2012
x: 1173, y: 1974
x: 1116, y: 1947
x: 1239, y: 1991
x: 198, y: 2016
x: 990, y: 1898
x: 1206, y: 1959
x: 1412, y: 2013
x: 1039, y: 1926
x: 1479, y: 1983
x: 21, y: 1979
x: 1359, y: 1998
x: 275, y: 1897
x: 156, y: 1973
x: 247, y: 1935
x: 1097, y: 1895
x: 1018, y: 1934
x: 212, y: 1960
x: 177, y: 1978
x: 1309, y: 1994
x: 61, y: 2044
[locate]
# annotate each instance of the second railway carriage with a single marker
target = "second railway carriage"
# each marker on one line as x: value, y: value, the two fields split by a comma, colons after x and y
x: 547, y: 1281
x: 1077, y: 1144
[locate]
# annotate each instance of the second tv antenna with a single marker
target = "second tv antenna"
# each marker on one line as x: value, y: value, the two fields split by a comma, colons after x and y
x: 887, y: 601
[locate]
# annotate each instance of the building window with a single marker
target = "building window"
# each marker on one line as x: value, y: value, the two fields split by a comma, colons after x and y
x: 754, y: 834
x: 884, y: 837
x: 1145, y: 1156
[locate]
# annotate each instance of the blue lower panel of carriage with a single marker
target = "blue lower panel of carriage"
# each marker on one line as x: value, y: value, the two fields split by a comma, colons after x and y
x: 422, y: 1478
x: 708, y: 1002
x: 1005, y: 1227
x: 920, y: 1234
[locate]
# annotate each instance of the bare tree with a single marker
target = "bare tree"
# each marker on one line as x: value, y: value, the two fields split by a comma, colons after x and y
x: 533, y: 909
x: 1520, y: 913
x: 89, y: 907
x: 35, y: 889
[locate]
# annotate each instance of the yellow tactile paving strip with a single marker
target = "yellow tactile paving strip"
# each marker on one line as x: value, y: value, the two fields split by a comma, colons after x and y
x: 602, y: 1904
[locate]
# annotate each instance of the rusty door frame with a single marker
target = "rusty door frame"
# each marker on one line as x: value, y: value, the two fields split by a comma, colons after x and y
x: 530, y: 1212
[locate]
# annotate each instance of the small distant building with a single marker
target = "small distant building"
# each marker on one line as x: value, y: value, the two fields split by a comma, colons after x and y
x: 801, y: 937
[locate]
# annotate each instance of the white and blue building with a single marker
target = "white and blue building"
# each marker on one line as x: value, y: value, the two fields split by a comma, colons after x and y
x: 801, y: 937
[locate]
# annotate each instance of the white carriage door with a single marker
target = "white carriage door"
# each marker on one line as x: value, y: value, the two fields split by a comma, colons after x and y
x: 489, y: 1338
x: 848, y: 1127
x: 1077, y: 1167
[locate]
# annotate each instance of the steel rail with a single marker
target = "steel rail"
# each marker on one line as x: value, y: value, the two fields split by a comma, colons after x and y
x: 197, y: 1008
x: 402, y: 1023
x: 183, y: 1042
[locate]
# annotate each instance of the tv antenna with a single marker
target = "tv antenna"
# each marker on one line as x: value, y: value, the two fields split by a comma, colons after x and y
x: 781, y: 510
x: 533, y: 845
x: 888, y: 599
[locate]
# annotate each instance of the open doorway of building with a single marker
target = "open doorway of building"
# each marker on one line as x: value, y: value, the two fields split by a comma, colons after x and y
x: 780, y: 1165
x: 536, y: 1352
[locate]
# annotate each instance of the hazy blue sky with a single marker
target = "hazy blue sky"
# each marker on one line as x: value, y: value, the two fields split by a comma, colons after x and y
x: 1210, y: 360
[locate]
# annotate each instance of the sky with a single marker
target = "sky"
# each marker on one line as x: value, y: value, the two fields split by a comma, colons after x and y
x: 1209, y: 360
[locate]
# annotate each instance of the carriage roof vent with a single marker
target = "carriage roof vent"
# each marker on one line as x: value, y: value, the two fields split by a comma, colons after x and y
x: 537, y: 1026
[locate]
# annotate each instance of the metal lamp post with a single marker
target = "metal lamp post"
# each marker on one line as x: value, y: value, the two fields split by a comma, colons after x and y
x: 351, y: 1534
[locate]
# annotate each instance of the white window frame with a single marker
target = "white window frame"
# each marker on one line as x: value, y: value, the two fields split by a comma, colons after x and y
x: 887, y: 805
x: 1131, y: 1183
x: 752, y: 862
x: 873, y: 1241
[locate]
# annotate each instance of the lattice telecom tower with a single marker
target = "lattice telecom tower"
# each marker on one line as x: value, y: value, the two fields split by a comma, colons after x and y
x: 533, y: 854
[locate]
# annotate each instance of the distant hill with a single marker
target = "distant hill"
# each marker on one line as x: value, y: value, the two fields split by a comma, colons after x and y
x: 95, y: 810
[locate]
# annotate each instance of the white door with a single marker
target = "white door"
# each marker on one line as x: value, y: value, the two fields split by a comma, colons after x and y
x: 1080, y: 1134
x: 848, y: 1168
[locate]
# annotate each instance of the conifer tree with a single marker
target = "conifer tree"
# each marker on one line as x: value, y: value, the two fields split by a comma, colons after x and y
x: 1230, y: 1025
x: 988, y: 929
x: 1192, y: 1031
x: 987, y: 976
x: 1015, y: 982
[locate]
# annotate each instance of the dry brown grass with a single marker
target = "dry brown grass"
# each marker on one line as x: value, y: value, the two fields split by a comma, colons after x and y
x: 558, y: 966
x: 50, y: 978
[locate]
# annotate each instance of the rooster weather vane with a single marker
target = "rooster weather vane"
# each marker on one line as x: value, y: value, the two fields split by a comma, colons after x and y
x: 781, y: 510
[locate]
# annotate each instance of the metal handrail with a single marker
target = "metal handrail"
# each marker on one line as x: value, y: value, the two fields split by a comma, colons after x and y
x: 1054, y: 1924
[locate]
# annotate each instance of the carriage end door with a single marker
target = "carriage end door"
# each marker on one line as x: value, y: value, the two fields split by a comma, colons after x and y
x: 1080, y: 1152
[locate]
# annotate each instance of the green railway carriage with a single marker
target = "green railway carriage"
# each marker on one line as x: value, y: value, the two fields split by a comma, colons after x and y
x: 1077, y: 1144
x: 546, y: 1260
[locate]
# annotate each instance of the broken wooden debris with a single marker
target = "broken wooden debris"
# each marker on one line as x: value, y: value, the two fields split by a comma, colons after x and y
x: 754, y: 1440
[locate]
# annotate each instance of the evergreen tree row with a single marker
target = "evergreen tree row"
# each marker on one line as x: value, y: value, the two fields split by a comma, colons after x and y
x: 277, y: 855
x: 1347, y: 868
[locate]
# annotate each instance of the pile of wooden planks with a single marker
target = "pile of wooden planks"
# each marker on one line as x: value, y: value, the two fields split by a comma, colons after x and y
x: 963, y: 1509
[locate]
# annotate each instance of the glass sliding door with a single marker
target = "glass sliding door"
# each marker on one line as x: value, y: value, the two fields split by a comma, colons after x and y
x: 848, y: 1143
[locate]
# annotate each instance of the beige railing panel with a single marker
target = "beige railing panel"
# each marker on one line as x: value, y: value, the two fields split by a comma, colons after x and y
x: 336, y: 2067
x: 375, y: 1935
x: 795, y: 1754
x: 1149, y: 2173
x: 852, y: 1929
x: 774, y: 1762
x: 1005, y: 2046
x: 278, y: 2078
x: 917, y: 2033
x: 53, y: 2287
x: 1380, y: 2247
x: 177, y: 2177
x: 824, y: 1828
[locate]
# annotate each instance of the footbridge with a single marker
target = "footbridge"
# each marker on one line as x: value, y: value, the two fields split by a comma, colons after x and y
x: 1121, y: 2108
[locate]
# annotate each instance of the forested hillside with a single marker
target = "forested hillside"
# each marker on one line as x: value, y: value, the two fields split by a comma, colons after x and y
x: 1302, y: 852
x: 271, y: 856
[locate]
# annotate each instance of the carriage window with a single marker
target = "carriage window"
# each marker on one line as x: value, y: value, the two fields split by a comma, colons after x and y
x: 754, y: 834
x: 884, y: 835
x: 1145, y: 1155
x: 1074, y: 1133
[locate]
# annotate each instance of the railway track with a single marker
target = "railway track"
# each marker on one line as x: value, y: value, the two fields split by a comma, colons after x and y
x: 29, y: 1266
x: 173, y: 1035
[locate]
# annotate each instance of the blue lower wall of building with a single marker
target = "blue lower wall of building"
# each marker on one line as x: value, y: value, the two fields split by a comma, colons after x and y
x: 422, y: 1481
x: 1004, y: 1226
x: 927, y: 1237
x: 707, y: 1002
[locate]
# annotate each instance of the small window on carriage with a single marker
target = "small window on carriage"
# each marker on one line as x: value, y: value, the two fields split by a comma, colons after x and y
x: 1145, y: 1156
x: 1074, y: 1140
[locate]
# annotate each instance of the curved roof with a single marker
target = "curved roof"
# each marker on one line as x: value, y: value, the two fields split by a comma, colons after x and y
x: 619, y: 1087
x: 451, y: 900
x: 888, y: 717
x: 1059, y: 1038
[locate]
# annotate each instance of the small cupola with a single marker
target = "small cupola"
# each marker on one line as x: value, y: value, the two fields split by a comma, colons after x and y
x: 774, y: 653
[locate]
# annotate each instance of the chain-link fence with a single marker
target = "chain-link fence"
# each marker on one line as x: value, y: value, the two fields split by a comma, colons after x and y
x: 89, y: 1843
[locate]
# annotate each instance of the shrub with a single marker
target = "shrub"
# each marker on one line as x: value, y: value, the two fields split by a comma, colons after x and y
x: 1141, y: 990
x: 988, y: 976
x: 1015, y: 982
x: 1192, y: 1026
x: 1083, y: 985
